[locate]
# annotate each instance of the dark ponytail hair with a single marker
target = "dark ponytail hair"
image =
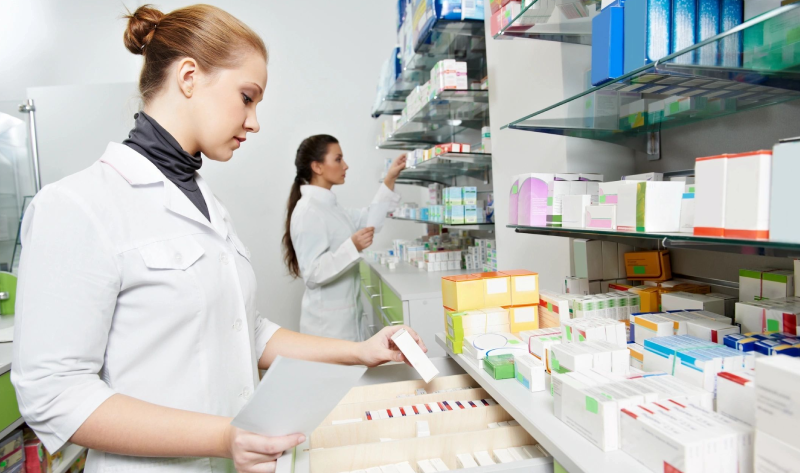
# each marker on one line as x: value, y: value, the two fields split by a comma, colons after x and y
x: 312, y: 149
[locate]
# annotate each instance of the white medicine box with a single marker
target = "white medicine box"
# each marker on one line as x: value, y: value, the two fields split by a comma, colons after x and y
x: 785, y: 193
x: 747, y: 194
x: 650, y: 206
x: 709, y: 207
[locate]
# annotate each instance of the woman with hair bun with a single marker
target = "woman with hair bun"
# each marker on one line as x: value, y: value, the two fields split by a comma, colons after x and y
x: 322, y: 240
x: 137, y: 333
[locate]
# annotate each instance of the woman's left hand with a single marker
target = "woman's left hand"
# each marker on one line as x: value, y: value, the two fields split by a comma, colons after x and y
x: 381, y: 349
x: 398, y: 165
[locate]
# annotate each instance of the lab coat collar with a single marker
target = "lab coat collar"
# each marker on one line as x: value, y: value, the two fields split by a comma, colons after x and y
x: 318, y: 193
x: 138, y: 171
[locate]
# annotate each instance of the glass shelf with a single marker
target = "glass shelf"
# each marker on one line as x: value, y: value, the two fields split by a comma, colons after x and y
x: 459, y: 40
x: 450, y: 113
x: 450, y: 165
x: 460, y: 226
x: 544, y: 20
x: 676, y: 240
x: 696, y: 84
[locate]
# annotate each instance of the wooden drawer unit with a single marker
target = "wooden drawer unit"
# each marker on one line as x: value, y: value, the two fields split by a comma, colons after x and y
x: 345, y: 447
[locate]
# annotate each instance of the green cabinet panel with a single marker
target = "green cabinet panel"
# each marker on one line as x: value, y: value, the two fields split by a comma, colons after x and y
x: 392, y: 304
x: 9, y: 410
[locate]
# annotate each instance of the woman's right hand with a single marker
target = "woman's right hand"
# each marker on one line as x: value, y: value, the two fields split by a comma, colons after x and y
x: 363, y: 238
x: 254, y: 453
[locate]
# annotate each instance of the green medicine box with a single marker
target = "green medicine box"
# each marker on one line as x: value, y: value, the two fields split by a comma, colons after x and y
x: 499, y: 366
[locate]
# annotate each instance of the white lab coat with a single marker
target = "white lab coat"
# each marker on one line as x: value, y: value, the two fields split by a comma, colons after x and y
x: 321, y: 234
x: 125, y: 287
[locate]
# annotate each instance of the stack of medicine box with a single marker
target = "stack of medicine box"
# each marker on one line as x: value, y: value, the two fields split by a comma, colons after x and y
x: 499, y: 302
x: 777, y: 414
x: 590, y: 401
x: 460, y: 205
x: 700, y: 324
x: 597, y: 266
x: 673, y: 436
x: 584, y: 356
x: 650, y: 292
x: 554, y: 308
x: 594, y: 329
x: 773, y: 315
x: 540, y: 343
x: 442, y: 260
x: 756, y: 285
x: 765, y: 344
x: 693, y: 360
x: 733, y: 195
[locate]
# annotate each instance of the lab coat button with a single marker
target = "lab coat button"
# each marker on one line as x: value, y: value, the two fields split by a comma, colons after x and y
x: 237, y: 325
x: 223, y: 258
x: 246, y: 393
x: 178, y: 257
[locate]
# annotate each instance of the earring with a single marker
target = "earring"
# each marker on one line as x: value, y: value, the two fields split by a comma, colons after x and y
x: 189, y: 91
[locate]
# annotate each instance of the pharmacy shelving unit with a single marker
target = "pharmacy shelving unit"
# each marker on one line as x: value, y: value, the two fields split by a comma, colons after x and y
x: 750, y: 81
x: 444, y: 168
x: 534, y: 412
x: 455, y: 226
x: 674, y: 240
x: 448, y: 114
x: 446, y: 40
x: 529, y: 23
x: 70, y: 453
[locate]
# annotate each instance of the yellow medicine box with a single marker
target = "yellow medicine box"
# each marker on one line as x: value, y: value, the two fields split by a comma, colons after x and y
x: 496, y: 289
x: 524, y: 286
x: 523, y: 318
x: 648, y: 265
x: 649, y: 298
x: 463, y: 292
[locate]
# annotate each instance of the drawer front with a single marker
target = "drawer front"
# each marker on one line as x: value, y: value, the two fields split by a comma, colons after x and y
x: 9, y: 410
x: 392, y: 305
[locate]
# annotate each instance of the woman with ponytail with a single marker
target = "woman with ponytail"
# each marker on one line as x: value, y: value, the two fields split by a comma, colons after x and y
x: 137, y: 333
x: 322, y: 240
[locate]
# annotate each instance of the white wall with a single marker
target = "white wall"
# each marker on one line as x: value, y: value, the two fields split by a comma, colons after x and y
x: 322, y: 76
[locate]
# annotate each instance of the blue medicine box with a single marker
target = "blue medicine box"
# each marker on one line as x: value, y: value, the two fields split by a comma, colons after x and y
x: 684, y: 27
x: 607, y: 44
x: 708, y: 21
x: 648, y: 24
x: 730, y: 48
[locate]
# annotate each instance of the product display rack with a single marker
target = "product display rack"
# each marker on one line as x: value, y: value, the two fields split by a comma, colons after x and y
x: 457, y: 226
x: 445, y: 167
x: 687, y: 73
x: 70, y: 453
x: 534, y: 412
x: 448, y: 114
x: 525, y: 25
x: 448, y: 39
x: 675, y: 240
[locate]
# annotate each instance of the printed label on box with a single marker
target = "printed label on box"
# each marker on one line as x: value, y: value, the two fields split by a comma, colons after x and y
x: 497, y: 286
x: 525, y: 283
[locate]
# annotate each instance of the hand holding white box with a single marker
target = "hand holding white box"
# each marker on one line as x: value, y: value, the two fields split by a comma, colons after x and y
x: 414, y: 354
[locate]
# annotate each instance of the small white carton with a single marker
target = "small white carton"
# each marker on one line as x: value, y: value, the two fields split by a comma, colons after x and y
x: 650, y: 207
x: 747, y: 195
x: 778, y: 397
x: 573, y: 210
x: 711, y: 175
x: 736, y: 395
x: 601, y: 217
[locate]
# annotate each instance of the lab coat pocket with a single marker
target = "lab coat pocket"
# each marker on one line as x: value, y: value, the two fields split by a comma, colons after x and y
x: 177, y: 253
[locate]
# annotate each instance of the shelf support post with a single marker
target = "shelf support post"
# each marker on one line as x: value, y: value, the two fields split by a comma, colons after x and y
x: 653, y: 145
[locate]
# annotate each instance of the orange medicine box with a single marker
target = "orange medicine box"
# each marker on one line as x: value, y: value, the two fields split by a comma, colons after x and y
x: 522, y: 318
x: 524, y: 287
x: 463, y: 292
x: 648, y: 298
x: 496, y: 289
x: 648, y: 265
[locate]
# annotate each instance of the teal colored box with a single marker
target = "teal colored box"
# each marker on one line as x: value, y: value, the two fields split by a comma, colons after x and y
x: 470, y: 195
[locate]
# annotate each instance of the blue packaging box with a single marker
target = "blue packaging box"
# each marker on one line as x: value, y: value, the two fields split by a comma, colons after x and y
x: 607, y: 44
x: 684, y: 25
x: 647, y: 26
x: 708, y: 21
x: 730, y: 47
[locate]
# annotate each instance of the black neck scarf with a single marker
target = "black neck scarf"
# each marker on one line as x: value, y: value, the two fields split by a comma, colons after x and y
x: 152, y: 141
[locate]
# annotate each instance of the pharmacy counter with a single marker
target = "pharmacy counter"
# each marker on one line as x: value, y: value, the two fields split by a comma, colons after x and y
x: 405, y: 295
x: 361, y: 442
x: 534, y: 412
x: 410, y: 283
